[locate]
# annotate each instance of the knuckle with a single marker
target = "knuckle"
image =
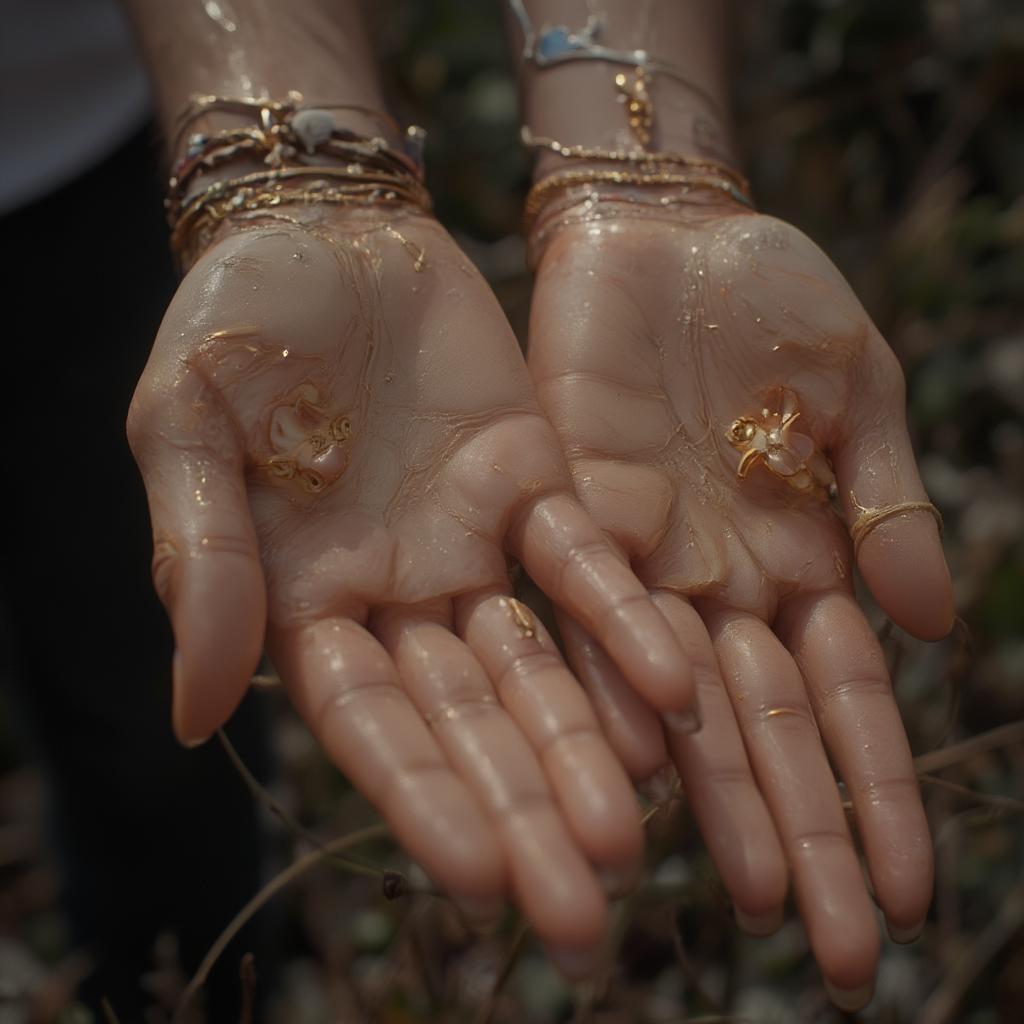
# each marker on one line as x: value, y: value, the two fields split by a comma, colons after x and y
x: 228, y: 544
x: 393, y: 796
x: 808, y: 841
x: 888, y: 790
x: 585, y: 731
x: 854, y: 688
x: 341, y: 698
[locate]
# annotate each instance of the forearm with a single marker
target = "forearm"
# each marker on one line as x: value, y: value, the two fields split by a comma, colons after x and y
x: 577, y: 102
x: 257, y: 48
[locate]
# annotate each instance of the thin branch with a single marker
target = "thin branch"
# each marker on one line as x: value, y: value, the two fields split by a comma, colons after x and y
x: 261, y: 793
x: 247, y: 975
x: 1007, y: 803
x: 942, y: 1005
x: 274, y: 886
x: 486, y: 1014
x: 959, y: 667
x: 689, y: 971
x: 994, y: 739
x: 108, y: 1011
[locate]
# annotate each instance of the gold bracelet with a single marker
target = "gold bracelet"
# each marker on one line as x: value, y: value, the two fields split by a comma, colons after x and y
x: 273, y: 115
x: 366, y: 169
x: 563, y: 180
x: 658, y: 160
x: 277, y: 152
x: 204, y: 213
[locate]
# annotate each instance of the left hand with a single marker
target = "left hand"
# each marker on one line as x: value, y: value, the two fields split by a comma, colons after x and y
x: 649, y: 339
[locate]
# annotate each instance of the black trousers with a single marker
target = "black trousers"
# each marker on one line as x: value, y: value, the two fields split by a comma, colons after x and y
x: 150, y: 838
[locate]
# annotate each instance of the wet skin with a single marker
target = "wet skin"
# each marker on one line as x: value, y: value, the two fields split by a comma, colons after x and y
x: 342, y: 451
x: 649, y: 339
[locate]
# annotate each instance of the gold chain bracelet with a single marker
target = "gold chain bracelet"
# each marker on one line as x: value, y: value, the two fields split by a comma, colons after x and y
x: 563, y: 180
x: 354, y: 169
x: 265, y: 190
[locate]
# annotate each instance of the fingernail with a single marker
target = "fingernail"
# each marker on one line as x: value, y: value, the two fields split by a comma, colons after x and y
x: 188, y: 742
x: 905, y: 935
x: 759, y: 925
x: 850, y: 999
x: 660, y: 786
x: 575, y: 964
x: 684, y: 723
x: 616, y: 882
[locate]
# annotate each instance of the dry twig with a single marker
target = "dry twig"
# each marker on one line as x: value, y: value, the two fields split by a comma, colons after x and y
x: 486, y: 1013
x: 274, y: 886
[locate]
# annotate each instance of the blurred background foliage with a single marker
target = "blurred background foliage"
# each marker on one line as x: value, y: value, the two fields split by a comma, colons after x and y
x: 890, y: 131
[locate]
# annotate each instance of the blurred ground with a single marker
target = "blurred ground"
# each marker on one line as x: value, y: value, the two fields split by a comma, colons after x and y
x: 892, y: 133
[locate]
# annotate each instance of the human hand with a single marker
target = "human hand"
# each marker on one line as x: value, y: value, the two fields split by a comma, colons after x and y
x: 649, y: 339
x: 340, y: 443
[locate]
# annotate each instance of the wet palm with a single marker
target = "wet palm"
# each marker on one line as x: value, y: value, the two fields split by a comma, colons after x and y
x: 665, y: 352
x: 342, y: 449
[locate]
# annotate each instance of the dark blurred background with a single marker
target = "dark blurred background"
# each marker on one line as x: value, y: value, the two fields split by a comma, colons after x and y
x: 892, y: 133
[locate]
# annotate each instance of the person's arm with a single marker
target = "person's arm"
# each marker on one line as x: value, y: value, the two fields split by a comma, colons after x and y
x: 577, y: 102
x: 341, y: 450
x: 259, y: 49
x: 660, y: 335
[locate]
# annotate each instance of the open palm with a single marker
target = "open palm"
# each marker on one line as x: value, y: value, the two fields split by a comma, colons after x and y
x: 342, y: 449
x: 649, y: 339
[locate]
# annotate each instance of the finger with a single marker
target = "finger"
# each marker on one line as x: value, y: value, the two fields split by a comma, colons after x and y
x: 720, y: 786
x: 555, y: 886
x: 629, y: 723
x: 860, y: 722
x: 785, y: 751
x: 575, y: 564
x: 900, y: 558
x: 206, y: 563
x: 551, y: 710
x: 346, y: 688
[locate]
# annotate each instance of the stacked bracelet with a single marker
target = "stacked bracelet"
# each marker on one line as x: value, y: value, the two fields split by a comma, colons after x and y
x: 650, y: 181
x: 307, y: 159
x: 684, y: 183
x: 645, y: 160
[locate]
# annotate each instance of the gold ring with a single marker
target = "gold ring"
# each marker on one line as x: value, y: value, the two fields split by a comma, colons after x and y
x: 771, y: 441
x: 869, y: 518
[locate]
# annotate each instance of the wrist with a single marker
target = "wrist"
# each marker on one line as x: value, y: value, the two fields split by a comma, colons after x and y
x: 598, y: 117
x: 654, y: 80
x: 288, y: 155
